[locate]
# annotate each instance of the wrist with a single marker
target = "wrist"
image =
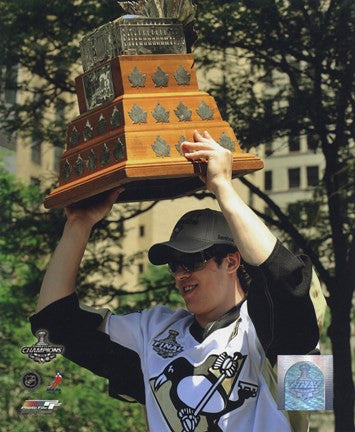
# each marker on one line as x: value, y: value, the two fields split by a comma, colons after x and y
x: 79, y: 225
x: 222, y: 188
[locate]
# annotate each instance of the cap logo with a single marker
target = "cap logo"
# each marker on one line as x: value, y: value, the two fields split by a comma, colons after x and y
x: 192, y: 220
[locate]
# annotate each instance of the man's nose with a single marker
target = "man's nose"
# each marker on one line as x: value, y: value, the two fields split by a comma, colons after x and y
x: 181, y: 273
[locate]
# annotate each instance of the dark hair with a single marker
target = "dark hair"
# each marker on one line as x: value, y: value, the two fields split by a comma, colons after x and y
x: 220, y: 251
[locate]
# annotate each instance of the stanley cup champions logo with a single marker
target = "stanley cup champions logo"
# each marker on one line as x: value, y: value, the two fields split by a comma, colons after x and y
x: 42, y: 351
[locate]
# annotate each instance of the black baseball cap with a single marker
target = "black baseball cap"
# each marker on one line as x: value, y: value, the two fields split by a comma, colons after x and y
x: 196, y: 231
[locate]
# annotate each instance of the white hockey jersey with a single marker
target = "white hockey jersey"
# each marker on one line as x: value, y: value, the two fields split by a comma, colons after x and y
x: 215, y: 385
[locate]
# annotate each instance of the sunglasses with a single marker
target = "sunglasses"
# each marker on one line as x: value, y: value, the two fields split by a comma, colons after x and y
x: 189, y: 262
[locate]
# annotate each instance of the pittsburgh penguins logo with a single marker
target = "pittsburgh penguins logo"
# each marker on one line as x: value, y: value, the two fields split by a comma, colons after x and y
x: 193, y: 399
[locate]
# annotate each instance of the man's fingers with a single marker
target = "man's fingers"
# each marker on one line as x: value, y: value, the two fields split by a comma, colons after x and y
x: 199, y: 137
x: 207, y: 135
x: 199, y: 154
x: 194, y: 146
x: 203, y: 147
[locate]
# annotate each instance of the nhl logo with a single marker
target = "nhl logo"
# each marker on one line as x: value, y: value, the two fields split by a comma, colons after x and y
x: 168, y: 347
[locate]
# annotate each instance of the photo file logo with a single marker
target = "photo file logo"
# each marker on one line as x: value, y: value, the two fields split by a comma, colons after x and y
x: 39, y: 406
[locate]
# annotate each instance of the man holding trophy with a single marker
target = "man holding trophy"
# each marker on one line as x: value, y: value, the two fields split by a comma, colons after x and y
x: 210, y: 367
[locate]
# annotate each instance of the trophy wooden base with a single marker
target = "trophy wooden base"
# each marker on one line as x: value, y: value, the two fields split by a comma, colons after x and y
x: 145, y: 183
x: 134, y: 139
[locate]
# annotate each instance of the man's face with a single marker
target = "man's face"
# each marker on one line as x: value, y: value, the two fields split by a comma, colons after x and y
x: 210, y: 291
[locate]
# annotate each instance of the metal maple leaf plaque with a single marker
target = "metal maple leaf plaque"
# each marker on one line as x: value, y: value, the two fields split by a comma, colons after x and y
x: 183, y: 113
x: 160, y: 114
x: 160, y: 147
x: 182, y: 77
x: 160, y: 78
x: 204, y: 111
x: 136, y: 78
x: 137, y: 114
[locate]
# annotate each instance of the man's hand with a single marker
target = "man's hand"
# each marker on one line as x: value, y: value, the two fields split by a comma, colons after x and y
x: 92, y: 210
x: 219, y: 160
x: 60, y: 277
x: 254, y: 240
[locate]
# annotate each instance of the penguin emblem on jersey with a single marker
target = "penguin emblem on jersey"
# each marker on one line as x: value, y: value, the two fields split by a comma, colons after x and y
x: 194, y: 398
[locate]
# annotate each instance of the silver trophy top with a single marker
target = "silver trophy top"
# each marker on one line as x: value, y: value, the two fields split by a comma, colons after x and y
x: 183, y: 10
x: 156, y: 27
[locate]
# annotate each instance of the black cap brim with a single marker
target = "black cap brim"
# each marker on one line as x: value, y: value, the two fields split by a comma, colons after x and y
x: 161, y: 253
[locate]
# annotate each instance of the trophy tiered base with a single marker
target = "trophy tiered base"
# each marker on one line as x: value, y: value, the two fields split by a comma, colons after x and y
x: 135, y: 113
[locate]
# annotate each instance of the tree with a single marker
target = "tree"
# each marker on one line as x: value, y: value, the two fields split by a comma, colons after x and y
x: 308, y: 46
x: 42, y: 38
x: 27, y: 239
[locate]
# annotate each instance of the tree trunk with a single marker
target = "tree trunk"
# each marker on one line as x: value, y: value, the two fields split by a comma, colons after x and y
x: 340, y: 333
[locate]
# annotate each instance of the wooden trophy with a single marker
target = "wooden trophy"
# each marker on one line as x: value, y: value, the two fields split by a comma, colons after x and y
x: 139, y: 100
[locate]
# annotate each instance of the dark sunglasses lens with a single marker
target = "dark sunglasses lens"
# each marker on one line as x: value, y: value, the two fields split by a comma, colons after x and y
x: 189, y: 263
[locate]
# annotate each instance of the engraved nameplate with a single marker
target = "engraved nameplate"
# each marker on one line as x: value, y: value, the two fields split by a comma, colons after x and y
x: 98, y: 86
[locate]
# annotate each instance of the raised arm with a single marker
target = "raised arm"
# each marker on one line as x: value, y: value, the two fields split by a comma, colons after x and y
x: 254, y: 240
x: 59, y: 280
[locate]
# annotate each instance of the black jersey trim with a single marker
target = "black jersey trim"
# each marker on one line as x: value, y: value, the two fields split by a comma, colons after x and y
x: 280, y: 306
x: 67, y: 324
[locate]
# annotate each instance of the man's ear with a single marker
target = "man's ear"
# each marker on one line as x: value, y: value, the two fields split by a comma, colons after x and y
x: 233, y: 262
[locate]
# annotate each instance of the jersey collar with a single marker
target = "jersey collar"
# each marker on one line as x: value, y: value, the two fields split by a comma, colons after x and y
x: 200, y: 333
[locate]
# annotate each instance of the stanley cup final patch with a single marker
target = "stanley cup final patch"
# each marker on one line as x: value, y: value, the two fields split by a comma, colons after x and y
x: 168, y: 347
x: 305, y: 382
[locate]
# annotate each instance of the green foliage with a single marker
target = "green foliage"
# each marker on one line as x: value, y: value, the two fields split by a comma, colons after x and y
x: 27, y: 238
x: 43, y: 38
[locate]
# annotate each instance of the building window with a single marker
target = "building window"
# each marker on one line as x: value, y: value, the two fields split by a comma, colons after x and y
x: 141, y: 230
x: 10, y: 90
x: 59, y: 110
x: 120, y: 264
x: 36, y: 150
x: 268, y: 180
x: 294, y: 178
x: 312, y: 175
x: 268, y: 79
x: 268, y: 148
x: 294, y: 143
x: 140, y: 268
x: 268, y: 212
x: 120, y: 227
x: 312, y: 142
x: 58, y: 151
x: 294, y: 213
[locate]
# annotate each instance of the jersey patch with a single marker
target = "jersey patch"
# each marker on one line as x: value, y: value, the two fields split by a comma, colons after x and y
x: 168, y: 347
x: 193, y: 399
